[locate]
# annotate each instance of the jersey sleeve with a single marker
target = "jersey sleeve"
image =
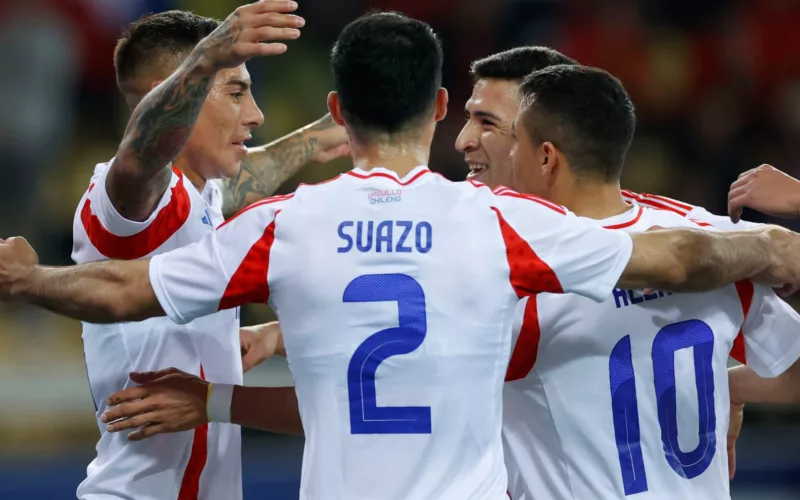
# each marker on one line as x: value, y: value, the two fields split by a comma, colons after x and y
x: 550, y: 249
x: 226, y: 269
x: 771, y: 333
x: 116, y: 237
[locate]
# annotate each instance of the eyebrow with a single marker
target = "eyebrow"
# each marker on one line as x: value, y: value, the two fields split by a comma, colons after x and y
x: 245, y: 85
x: 486, y: 114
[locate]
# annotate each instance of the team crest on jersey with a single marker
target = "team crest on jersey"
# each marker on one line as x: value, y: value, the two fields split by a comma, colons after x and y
x: 385, y: 196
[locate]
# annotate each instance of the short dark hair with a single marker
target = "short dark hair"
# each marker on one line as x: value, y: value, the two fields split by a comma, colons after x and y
x: 585, y: 112
x: 387, y: 69
x: 156, y: 36
x: 516, y: 64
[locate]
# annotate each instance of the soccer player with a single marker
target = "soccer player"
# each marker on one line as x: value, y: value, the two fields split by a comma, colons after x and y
x: 143, y: 203
x: 628, y: 396
x: 393, y: 346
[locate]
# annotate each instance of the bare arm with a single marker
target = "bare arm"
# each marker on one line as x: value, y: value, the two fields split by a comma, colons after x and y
x: 688, y: 260
x: 157, y: 131
x: 100, y: 292
x: 747, y: 387
x: 174, y: 401
x: 161, y: 124
x: 265, y: 168
x: 267, y: 408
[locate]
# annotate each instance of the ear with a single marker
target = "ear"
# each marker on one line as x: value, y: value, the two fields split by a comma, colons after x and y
x: 333, y: 107
x: 549, y: 162
x: 442, y: 98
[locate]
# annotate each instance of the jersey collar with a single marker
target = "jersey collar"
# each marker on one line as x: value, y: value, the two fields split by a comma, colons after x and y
x: 407, y: 179
x: 623, y: 220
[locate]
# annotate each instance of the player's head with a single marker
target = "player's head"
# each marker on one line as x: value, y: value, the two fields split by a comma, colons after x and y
x: 151, y: 49
x: 486, y: 138
x: 575, y: 125
x: 387, y: 70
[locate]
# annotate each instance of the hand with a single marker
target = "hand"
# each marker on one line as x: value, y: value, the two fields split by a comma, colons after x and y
x: 735, y: 427
x: 332, y: 139
x: 767, y: 190
x: 166, y: 401
x: 16, y: 258
x: 259, y: 343
x: 241, y: 35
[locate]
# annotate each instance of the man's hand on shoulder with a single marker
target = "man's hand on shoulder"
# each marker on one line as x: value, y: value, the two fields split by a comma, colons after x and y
x: 767, y: 190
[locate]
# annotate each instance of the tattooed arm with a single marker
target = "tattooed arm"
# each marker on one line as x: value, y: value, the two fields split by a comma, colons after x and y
x: 265, y: 168
x: 162, y: 122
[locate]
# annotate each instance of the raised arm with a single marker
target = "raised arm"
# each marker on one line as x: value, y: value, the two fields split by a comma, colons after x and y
x: 265, y: 168
x: 691, y: 260
x: 162, y: 122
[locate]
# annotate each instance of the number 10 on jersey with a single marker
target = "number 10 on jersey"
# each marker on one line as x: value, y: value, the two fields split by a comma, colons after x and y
x: 366, y: 417
x: 692, y: 333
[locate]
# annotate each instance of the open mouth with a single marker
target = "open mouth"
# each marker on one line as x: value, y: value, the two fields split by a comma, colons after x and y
x: 476, y: 169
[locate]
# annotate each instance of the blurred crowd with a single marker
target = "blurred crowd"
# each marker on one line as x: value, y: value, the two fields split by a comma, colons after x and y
x: 716, y: 84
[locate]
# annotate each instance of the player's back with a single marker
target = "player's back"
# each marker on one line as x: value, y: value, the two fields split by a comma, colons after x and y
x: 204, y: 462
x: 628, y: 396
x: 399, y: 381
x: 396, y: 299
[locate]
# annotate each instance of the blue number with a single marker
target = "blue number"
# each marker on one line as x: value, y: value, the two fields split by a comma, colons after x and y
x: 626, y: 417
x: 366, y: 417
x: 671, y: 338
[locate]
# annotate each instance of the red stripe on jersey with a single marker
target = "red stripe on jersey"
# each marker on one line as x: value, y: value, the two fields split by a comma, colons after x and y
x: 190, y: 485
x: 529, y: 274
x: 654, y: 203
x: 701, y: 223
x: 249, y: 283
x: 629, y: 223
x: 266, y: 201
x: 381, y: 174
x: 534, y: 198
x: 669, y: 201
x: 527, y: 348
x: 168, y: 221
x: 745, y: 289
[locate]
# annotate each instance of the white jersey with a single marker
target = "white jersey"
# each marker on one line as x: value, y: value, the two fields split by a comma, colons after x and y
x: 395, y: 298
x: 200, y: 464
x: 630, y: 396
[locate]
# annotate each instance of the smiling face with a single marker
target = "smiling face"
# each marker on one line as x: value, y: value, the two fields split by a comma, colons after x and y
x: 486, y: 139
x: 216, y: 146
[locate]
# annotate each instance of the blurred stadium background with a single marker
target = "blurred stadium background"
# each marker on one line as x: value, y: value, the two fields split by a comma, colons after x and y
x: 716, y: 84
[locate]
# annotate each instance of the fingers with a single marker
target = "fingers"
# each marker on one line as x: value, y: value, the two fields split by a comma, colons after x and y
x: 128, y: 410
x: 276, y: 21
x: 271, y: 6
x: 133, y: 422
x: 249, y: 360
x: 148, y: 431
x: 144, y: 377
x: 269, y: 33
x: 126, y: 395
x: 735, y: 206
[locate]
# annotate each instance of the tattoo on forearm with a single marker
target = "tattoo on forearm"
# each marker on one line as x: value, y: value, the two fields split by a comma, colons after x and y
x: 162, y: 123
x: 265, y: 169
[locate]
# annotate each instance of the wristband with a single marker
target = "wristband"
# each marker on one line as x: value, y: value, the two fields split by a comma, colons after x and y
x: 218, y: 404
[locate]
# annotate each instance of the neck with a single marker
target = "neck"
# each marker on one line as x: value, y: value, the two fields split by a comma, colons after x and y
x: 595, y: 201
x: 197, y: 180
x: 401, y: 157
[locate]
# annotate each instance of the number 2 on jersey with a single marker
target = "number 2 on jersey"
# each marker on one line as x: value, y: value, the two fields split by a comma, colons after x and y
x: 692, y: 333
x: 366, y: 417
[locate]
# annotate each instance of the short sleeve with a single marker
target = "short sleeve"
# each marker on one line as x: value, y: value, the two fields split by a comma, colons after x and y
x: 226, y: 269
x: 771, y: 333
x: 549, y: 249
x: 116, y: 237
